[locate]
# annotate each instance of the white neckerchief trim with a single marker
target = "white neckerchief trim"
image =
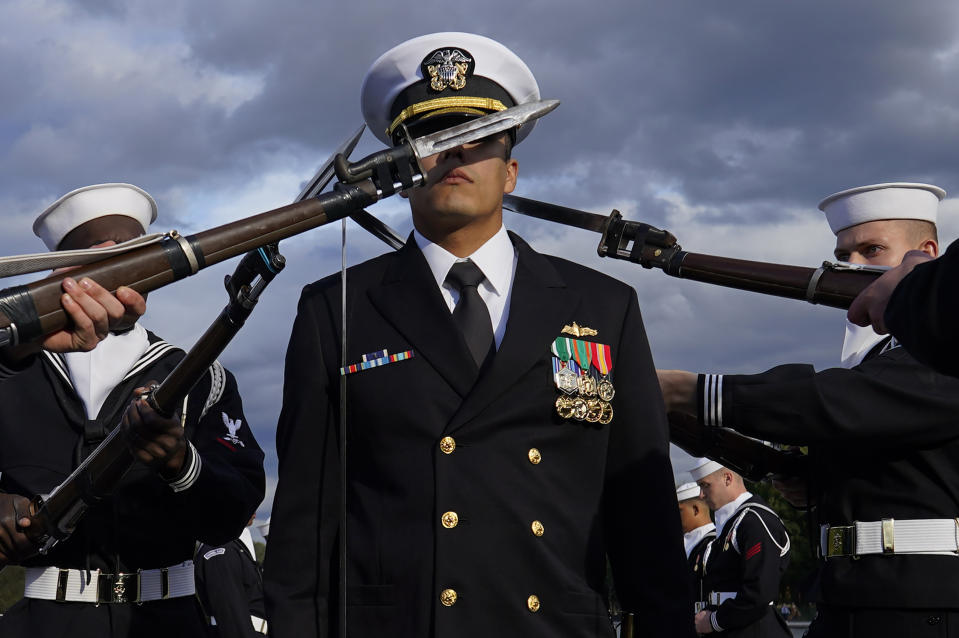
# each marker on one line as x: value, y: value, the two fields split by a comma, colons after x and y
x: 727, y: 511
x: 692, y: 537
x: 154, y: 352
x: 497, y: 259
x: 56, y: 360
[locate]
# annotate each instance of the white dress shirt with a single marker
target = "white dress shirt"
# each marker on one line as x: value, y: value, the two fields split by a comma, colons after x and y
x: 496, y: 258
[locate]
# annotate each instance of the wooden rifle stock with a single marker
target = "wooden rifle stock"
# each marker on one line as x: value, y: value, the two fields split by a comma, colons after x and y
x: 831, y: 284
x: 34, y: 310
x: 54, y: 517
x: 748, y: 457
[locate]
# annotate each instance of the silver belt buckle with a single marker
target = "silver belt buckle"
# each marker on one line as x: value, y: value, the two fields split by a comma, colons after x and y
x: 841, y: 540
x: 118, y: 588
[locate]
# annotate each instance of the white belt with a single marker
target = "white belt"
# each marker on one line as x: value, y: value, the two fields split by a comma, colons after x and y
x: 72, y: 585
x: 259, y: 624
x: 890, y: 536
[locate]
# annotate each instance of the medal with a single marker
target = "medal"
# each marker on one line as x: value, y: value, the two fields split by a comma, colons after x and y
x: 582, y: 352
x: 594, y: 410
x: 586, y: 385
x: 606, y: 417
x: 580, y: 409
x: 566, y: 379
x: 603, y: 360
x: 564, y: 407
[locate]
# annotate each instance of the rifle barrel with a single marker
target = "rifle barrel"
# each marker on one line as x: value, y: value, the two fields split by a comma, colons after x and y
x: 35, y: 310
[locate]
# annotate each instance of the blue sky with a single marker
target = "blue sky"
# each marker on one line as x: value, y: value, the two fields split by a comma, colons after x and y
x: 724, y: 122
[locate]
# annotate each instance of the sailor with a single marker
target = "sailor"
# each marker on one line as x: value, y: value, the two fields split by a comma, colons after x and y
x: 230, y: 587
x: 917, y: 302
x: 698, y: 531
x: 127, y: 569
x: 881, y: 432
x: 490, y: 464
x: 746, y: 561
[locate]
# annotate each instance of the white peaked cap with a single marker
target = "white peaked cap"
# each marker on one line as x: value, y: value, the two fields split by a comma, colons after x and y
x: 687, y: 491
x: 877, y: 202
x: 90, y: 202
x: 704, y: 468
x: 402, y: 66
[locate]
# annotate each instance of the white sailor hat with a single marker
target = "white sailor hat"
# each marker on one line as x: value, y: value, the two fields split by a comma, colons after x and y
x: 265, y: 527
x: 443, y: 79
x: 704, y: 468
x: 687, y: 491
x: 876, y: 202
x: 90, y: 202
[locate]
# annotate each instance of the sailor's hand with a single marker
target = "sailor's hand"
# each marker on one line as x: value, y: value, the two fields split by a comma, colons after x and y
x: 15, y: 545
x: 93, y: 313
x: 157, y: 441
x: 870, y: 305
x: 703, y: 626
x: 679, y: 390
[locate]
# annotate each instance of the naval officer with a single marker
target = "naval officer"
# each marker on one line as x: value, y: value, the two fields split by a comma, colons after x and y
x: 881, y: 431
x: 492, y: 462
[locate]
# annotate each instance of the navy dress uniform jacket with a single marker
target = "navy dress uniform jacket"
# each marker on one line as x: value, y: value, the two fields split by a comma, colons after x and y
x: 44, y: 433
x: 748, y: 557
x: 884, y: 443
x: 442, y: 540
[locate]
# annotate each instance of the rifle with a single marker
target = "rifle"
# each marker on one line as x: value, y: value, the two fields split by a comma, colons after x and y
x: 832, y: 284
x: 745, y: 455
x: 55, y: 516
x: 33, y: 310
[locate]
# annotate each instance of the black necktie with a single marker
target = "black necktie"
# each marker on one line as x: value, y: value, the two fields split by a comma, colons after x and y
x: 471, y: 313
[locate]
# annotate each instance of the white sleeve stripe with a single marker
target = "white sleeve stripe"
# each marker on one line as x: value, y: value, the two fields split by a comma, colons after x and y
x: 712, y: 621
x: 713, y: 400
x: 719, y: 400
x: 193, y: 470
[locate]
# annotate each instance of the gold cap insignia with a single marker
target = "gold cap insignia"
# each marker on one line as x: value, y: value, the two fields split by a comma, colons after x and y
x: 447, y: 68
x: 579, y: 331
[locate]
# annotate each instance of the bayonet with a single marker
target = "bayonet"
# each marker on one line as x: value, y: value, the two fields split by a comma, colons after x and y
x: 399, y: 167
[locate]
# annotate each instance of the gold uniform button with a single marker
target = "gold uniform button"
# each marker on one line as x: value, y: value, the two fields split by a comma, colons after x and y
x: 532, y: 603
x: 448, y: 597
x: 534, y: 456
x: 538, y: 529
x: 450, y: 520
x: 447, y: 444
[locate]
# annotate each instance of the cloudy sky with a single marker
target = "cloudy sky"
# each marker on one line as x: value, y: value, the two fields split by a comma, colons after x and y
x: 725, y: 122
